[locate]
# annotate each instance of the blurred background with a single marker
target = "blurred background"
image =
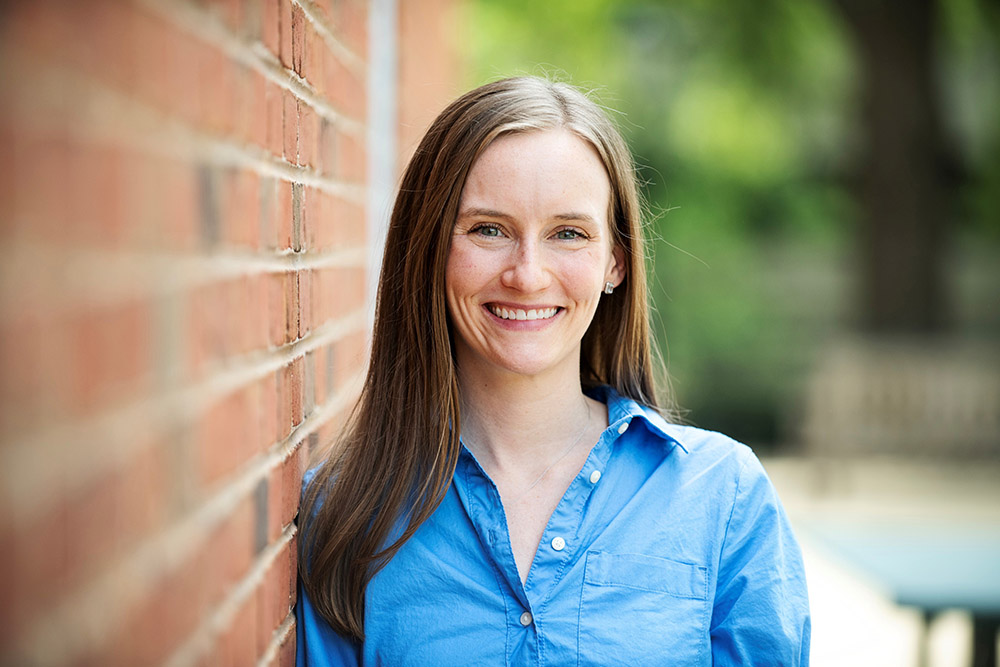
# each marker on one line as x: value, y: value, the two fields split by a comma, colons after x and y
x: 192, y: 200
x: 823, y: 184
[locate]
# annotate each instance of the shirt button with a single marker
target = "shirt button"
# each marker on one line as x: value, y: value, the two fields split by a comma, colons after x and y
x: 623, y: 428
x: 526, y: 619
x: 595, y: 476
x: 558, y: 543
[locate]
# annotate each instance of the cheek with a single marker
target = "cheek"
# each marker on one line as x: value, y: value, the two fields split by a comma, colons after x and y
x: 586, y: 275
x: 463, y: 270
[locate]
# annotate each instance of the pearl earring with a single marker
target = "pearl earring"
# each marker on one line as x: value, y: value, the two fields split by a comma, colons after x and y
x: 609, y: 288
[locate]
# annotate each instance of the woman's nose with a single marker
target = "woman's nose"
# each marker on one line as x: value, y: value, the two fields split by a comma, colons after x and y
x: 527, y: 271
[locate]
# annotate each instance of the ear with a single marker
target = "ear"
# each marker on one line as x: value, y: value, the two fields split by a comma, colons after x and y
x: 616, y: 270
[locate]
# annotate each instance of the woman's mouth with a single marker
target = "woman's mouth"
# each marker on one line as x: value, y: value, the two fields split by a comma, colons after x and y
x: 505, y: 313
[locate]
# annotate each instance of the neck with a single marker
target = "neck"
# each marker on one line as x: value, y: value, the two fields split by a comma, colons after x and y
x: 521, y: 424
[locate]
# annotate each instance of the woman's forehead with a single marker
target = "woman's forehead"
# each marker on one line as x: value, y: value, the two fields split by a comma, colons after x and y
x: 546, y: 171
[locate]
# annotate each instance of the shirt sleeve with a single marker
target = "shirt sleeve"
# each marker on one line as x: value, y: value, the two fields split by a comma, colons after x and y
x: 317, y: 644
x: 761, y: 608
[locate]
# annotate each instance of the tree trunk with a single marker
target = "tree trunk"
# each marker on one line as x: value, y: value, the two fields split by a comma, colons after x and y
x: 903, y: 190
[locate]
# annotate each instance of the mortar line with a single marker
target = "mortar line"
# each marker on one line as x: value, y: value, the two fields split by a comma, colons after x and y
x: 200, y: 641
x: 42, y: 460
x: 72, y: 629
x: 210, y: 29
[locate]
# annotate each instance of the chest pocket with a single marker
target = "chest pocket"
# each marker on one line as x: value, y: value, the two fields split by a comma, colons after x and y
x: 643, y: 610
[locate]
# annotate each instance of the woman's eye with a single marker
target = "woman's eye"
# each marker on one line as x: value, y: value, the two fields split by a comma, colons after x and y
x: 491, y: 231
x: 568, y: 235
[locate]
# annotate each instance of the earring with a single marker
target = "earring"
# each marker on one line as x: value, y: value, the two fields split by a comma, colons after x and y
x: 609, y: 288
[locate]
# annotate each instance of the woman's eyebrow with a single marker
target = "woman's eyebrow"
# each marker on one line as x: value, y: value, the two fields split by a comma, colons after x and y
x: 573, y: 216
x: 484, y: 213
x: 576, y: 217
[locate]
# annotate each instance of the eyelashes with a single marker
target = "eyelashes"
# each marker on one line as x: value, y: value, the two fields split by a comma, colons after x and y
x: 491, y: 230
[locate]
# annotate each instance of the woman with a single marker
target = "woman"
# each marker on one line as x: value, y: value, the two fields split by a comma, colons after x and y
x: 506, y: 490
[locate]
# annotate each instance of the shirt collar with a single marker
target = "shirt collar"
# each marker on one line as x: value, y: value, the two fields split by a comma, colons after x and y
x: 622, y: 408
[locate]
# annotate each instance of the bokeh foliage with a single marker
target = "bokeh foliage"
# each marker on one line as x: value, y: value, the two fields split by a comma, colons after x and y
x: 744, y: 119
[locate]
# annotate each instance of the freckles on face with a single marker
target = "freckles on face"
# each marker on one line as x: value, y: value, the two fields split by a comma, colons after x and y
x: 531, y: 251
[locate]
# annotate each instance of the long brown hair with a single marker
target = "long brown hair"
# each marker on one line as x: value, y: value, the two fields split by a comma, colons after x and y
x: 398, y: 451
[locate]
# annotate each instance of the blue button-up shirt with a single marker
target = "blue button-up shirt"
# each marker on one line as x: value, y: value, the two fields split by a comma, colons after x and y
x: 670, y: 547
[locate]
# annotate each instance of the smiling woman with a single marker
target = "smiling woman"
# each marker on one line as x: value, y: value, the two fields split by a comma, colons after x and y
x: 530, y: 254
x: 507, y: 490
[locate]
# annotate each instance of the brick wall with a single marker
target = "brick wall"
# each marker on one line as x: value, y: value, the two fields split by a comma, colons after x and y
x: 183, y: 259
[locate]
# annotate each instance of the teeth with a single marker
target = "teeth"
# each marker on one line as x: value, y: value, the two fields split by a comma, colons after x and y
x: 518, y: 314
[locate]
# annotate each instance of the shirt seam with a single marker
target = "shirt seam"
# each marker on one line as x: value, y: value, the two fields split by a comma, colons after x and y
x: 710, y: 609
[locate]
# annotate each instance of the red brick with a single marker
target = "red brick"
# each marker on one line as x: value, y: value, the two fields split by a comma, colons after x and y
x: 208, y: 312
x: 240, y: 640
x: 225, y: 435
x: 95, y: 195
x: 313, y: 70
x: 101, y: 49
x: 272, y: 602
x: 245, y: 109
x: 229, y: 553
x: 290, y: 116
x: 295, y: 386
x: 215, y: 79
x: 37, y: 562
x: 183, y: 597
x: 275, y: 119
x: 276, y: 309
x: 320, y: 360
x: 286, y: 652
x: 298, y: 39
x: 354, y: 17
x: 345, y: 87
x: 241, y: 209
x: 271, y: 26
x: 239, y: 321
x: 177, y: 196
x: 327, y: 148
x: 230, y: 11
x: 268, y: 212
x: 351, y: 158
x: 308, y: 136
x: 304, y: 290
x: 185, y: 55
x: 145, y: 492
x: 268, y: 424
x: 289, y: 397
x: 111, y: 355
x: 259, y: 111
x: 292, y: 470
x: 259, y: 324
x: 23, y: 383
x: 307, y: 217
x: 292, y: 580
x: 161, y: 621
x: 285, y: 31
x: 292, y: 306
x: 274, y: 496
x: 148, y: 39
x: 39, y: 30
x: 284, y: 221
x: 283, y: 424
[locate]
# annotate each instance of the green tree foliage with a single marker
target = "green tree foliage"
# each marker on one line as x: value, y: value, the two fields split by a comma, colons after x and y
x: 745, y: 122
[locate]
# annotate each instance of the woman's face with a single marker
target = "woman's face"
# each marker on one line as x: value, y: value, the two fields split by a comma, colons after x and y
x: 530, y: 254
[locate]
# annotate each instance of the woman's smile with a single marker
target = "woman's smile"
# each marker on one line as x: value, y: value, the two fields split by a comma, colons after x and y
x: 522, y: 314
